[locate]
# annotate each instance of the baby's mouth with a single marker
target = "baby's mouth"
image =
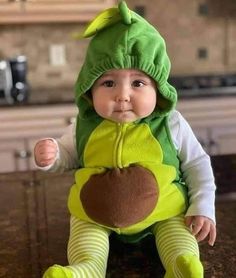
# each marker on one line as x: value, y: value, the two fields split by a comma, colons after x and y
x: 122, y: 109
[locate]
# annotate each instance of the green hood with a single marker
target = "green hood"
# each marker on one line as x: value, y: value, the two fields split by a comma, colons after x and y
x: 121, y: 40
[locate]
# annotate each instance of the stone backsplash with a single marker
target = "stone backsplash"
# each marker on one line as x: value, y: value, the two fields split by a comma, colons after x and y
x: 197, y: 42
x: 34, y: 41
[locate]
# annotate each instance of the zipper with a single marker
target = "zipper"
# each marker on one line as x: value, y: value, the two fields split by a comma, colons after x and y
x: 117, y: 159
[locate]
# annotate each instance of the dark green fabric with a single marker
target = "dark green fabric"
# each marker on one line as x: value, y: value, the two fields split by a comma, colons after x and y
x: 129, y: 43
x: 160, y: 130
x: 135, y: 238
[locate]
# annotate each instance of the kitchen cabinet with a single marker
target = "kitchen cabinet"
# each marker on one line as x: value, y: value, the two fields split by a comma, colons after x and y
x: 21, y: 127
x: 213, y: 122
x: 34, y: 222
x: 14, y: 155
x: 51, y: 194
x: 34, y: 230
x: 8, y: 7
x: 32, y: 11
x: 223, y: 140
x: 18, y: 243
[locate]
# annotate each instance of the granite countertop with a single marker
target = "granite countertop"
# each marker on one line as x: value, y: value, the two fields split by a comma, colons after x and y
x: 54, y: 96
x: 45, y: 96
x: 34, y: 229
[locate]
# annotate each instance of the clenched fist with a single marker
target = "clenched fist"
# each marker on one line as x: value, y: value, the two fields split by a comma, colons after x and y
x: 45, y: 152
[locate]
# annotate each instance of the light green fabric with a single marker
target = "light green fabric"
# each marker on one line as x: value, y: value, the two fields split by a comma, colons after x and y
x: 111, y: 145
x: 128, y: 41
x: 58, y: 271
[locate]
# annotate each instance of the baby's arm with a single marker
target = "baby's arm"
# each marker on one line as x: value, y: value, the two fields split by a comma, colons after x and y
x: 57, y: 155
x: 198, y: 175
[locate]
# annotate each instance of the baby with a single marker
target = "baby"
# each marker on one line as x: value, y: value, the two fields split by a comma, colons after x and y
x: 140, y: 169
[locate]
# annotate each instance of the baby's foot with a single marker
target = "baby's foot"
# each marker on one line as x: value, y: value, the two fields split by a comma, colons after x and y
x: 57, y: 271
x: 189, y: 266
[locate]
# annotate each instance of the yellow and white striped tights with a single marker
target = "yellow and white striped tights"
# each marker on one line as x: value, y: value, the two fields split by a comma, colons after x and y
x: 88, y: 250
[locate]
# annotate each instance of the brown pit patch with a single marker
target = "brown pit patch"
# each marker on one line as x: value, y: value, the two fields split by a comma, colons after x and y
x: 120, y: 197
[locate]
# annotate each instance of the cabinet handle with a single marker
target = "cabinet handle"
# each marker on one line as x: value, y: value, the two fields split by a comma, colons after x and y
x: 70, y: 120
x: 214, y: 147
x: 212, y: 143
x: 22, y: 154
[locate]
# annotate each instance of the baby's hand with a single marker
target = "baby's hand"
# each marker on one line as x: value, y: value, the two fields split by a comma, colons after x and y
x: 201, y: 228
x: 45, y: 152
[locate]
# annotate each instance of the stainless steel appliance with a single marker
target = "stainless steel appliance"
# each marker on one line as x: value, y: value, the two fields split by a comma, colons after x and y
x: 204, y: 85
x: 14, y: 87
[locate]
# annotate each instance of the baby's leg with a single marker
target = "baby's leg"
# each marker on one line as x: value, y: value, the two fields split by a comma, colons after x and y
x: 88, y: 249
x: 178, y: 249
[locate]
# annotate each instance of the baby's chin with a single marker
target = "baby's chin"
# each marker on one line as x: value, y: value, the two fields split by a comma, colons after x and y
x: 124, y: 121
x: 122, y: 118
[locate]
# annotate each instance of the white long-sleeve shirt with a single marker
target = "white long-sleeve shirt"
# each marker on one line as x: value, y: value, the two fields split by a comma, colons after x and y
x: 195, y: 164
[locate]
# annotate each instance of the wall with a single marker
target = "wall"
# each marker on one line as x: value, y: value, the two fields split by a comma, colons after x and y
x: 187, y: 32
x: 34, y: 41
x: 188, y: 35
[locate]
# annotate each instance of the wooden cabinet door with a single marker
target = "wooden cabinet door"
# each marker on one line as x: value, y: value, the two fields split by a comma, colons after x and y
x: 53, y: 217
x: 21, y: 127
x: 56, y: 10
x: 67, y: 5
x: 18, y: 236
x: 213, y: 121
x: 10, y: 10
x: 30, y: 11
x: 7, y: 6
x: 202, y: 134
x: 224, y: 140
x: 13, y: 156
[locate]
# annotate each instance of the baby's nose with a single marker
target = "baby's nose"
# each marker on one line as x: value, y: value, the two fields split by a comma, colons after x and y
x: 123, y: 95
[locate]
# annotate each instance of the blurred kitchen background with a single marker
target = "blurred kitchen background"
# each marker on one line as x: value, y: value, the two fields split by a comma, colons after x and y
x: 39, y: 63
x: 40, y: 60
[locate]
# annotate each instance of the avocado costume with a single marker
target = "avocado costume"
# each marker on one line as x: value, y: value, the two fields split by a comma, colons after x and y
x: 128, y: 179
x: 128, y: 175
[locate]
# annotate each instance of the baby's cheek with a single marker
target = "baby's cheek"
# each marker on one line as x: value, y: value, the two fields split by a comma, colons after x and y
x: 145, y: 108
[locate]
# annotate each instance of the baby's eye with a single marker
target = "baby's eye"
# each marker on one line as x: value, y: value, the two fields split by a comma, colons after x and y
x: 138, y: 83
x: 108, y: 83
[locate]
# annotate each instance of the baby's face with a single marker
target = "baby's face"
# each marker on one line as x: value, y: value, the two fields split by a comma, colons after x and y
x: 124, y: 95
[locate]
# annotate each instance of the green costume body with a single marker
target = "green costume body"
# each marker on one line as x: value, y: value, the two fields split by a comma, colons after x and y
x: 115, y: 154
x: 136, y: 161
x: 126, y: 205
